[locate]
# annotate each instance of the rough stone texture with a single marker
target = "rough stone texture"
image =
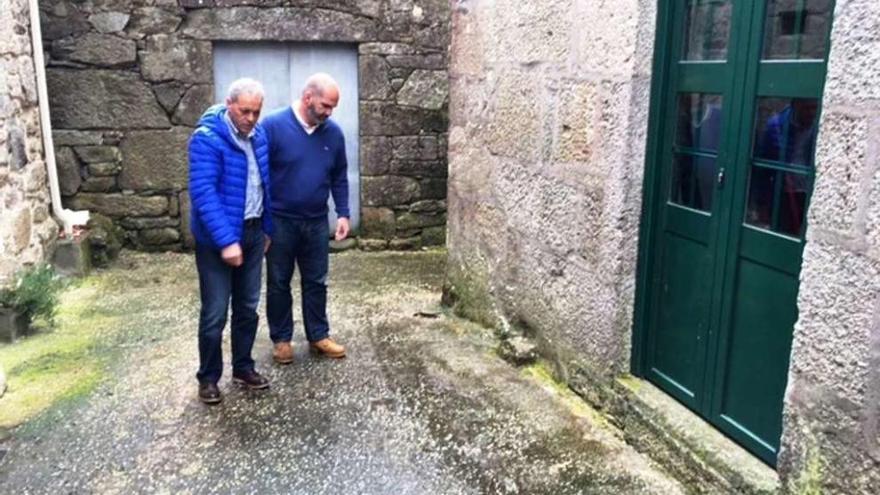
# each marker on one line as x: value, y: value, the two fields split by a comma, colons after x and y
x: 27, y: 233
x: 120, y: 205
x: 548, y: 119
x: 140, y: 169
x: 831, y: 429
x: 133, y: 67
x: 425, y: 89
x: 278, y: 24
x: 69, y: 171
x: 193, y: 104
x: 103, y: 50
x: 109, y: 22
x: 168, y: 57
x: 102, y: 99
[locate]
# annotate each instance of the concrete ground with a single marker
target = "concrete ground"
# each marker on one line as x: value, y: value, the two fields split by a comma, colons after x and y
x: 422, y: 405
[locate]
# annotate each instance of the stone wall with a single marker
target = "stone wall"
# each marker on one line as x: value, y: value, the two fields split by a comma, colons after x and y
x: 26, y: 228
x: 831, y: 435
x: 129, y: 79
x: 548, y: 118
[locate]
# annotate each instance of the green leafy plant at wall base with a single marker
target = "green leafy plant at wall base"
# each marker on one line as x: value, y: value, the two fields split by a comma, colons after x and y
x: 34, y: 293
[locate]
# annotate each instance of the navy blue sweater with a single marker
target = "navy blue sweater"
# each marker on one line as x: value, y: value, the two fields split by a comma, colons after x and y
x: 305, y: 168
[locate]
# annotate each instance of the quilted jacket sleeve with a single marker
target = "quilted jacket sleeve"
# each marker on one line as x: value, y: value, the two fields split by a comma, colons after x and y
x: 205, y: 166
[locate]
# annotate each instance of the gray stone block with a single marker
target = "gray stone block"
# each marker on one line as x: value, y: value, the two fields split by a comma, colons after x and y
x: 425, y: 89
x: 375, y: 155
x: 99, y: 184
x: 373, y: 78
x: 168, y: 57
x: 415, y: 147
x: 76, y: 138
x: 388, y: 190
x: 158, y: 237
x: 147, y: 21
x: 278, y: 24
x: 12, y: 326
x: 120, y: 205
x: 97, y: 154
x: 69, y: 174
x: 104, y: 169
x: 434, y: 236
x: 169, y: 94
x: 193, y: 104
x: 388, y: 119
x: 185, y: 220
x: 73, y: 257
x: 109, y: 22
x: 102, y: 99
x: 377, y: 222
x: 104, y: 50
x: 155, y: 160
x: 419, y: 168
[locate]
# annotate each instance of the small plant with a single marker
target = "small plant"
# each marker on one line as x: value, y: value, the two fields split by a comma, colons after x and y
x: 34, y: 293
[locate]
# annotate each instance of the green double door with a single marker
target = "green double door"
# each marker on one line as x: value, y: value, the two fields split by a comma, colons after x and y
x: 735, y: 135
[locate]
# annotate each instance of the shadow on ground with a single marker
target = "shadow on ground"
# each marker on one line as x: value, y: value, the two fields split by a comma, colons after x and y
x: 421, y: 406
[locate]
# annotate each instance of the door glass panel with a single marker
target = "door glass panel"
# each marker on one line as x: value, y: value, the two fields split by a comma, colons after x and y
x: 777, y: 200
x: 785, y: 130
x: 797, y: 29
x: 693, y: 181
x: 707, y: 30
x: 699, y: 121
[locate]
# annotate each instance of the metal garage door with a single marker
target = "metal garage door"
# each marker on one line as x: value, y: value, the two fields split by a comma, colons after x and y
x: 282, y: 68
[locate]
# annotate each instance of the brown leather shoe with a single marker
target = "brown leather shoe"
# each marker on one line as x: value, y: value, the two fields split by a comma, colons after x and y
x: 282, y: 353
x: 328, y: 348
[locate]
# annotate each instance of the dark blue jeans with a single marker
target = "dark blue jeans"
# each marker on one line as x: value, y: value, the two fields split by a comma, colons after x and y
x: 218, y: 282
x: 302, y: 243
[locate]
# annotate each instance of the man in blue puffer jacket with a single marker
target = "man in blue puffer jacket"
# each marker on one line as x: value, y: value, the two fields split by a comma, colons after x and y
x: 229, y: 191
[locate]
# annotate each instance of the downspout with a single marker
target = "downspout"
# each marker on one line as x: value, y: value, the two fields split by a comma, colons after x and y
x: 67, y: 218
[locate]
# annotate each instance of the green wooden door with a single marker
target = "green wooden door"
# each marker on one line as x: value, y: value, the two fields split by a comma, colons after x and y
x: 734, y: 141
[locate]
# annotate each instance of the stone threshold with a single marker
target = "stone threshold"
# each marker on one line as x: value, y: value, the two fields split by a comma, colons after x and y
x: 689, y: 448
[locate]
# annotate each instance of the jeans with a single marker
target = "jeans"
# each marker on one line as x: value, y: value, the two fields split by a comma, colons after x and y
x: 303, y: 243
x: 217, y: 283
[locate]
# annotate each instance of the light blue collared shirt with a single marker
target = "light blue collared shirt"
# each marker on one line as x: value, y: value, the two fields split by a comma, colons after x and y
x: 253, y: 204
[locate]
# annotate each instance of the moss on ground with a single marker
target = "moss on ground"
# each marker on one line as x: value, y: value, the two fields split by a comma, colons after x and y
x: 578, y: 407
x: 53, y: 364
x: 98, y: 320
x: 468, y: 294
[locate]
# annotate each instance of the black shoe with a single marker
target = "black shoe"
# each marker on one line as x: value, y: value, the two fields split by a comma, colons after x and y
x: 251, y: 380
x: 209, y: 393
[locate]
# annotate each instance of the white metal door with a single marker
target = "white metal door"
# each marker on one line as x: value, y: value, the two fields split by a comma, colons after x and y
x: 283, y: 69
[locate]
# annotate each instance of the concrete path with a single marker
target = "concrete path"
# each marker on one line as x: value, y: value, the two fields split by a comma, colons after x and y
x: 421, y: 406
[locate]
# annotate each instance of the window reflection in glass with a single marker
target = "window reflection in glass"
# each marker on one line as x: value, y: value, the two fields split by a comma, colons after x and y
x: 693, y: 181
x: 785, y: 130
x: 797, y: 29
x: 707, y: 30
x: 777, y: 200
x: 699, y: 121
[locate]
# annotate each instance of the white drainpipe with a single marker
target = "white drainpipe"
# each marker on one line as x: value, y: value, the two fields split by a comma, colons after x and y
x: 67, y: 218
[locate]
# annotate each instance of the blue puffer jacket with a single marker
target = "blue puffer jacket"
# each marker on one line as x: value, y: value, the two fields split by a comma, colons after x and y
x: 218, y: 180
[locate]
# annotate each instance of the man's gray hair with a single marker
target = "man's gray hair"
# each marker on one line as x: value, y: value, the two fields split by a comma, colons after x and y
x: 319, y: 82
x: 245, y: 86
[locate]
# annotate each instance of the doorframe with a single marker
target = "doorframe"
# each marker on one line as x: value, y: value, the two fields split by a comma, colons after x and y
x: 646, y: 275
x: 650, y: 186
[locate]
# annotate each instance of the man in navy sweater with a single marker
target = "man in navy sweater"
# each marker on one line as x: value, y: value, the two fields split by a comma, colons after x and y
x: 307, y: 163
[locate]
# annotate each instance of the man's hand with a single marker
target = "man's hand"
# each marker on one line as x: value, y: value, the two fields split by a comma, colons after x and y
x: 343, y: 228
x: 266, y: 243
x: 231, y: 255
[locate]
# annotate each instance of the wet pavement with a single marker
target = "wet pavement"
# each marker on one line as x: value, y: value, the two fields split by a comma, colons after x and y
x: 421, y: 405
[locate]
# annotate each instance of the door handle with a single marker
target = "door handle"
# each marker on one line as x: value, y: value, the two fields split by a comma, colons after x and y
x: 721, y: 178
